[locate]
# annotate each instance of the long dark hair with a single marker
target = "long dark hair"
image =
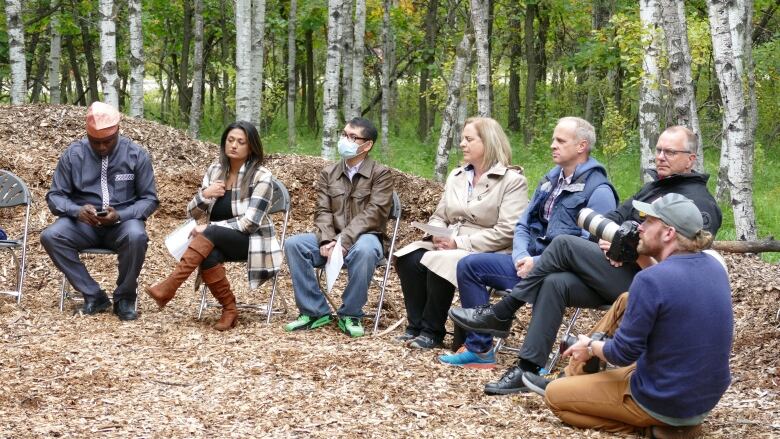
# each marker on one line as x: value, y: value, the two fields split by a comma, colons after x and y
x: 254, y: 160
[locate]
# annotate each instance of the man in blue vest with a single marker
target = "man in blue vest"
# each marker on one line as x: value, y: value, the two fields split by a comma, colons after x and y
x: 576, y: 181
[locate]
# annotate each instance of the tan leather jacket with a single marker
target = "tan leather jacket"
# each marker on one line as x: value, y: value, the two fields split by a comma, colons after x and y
x: 351, y: 208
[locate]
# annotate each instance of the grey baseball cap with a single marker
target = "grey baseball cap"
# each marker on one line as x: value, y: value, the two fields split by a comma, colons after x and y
x: 675, y: 210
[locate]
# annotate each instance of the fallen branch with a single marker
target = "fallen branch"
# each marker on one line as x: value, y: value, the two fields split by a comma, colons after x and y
x: 767, y: 245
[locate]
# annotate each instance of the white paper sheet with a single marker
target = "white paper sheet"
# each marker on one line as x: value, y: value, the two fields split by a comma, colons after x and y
x: 440, y: 232
x: 334, y: 264
x: 178, y: 241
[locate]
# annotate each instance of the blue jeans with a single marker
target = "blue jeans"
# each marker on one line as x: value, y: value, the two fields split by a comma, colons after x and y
x: 475, y: 273
x: 303, y: 255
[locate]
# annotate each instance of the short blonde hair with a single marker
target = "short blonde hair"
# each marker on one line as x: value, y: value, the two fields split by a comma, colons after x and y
x: 497, y: 149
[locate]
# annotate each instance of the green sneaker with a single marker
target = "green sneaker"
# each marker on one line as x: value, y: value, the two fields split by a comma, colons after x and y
x: 307, y: 322
x: 351, y: 326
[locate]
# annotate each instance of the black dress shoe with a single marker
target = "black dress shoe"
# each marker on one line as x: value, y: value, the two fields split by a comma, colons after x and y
x: 481, y: 319
x: 535, y: 383
x: 95, y: 304
x: 125, y: 309
x: 511, y: 382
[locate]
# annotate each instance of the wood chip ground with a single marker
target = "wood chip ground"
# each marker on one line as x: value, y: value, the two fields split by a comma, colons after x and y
x: 170, y: 375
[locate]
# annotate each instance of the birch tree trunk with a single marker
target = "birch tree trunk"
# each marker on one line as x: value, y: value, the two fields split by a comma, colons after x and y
x: 257, y: 61
x: 346, y: 37
x: 649, y: 92
x: 681, y: 89
x: 741, y: 24
x: 330, y: 92
x: 358, y: 55
x: 462, y: 55
x: 736, y: 117
x: 244, y: 95
x: 55, y: 55
x: 136, y: 59
x: 197, y: 71
x: 109, y: 76
x: 387, y: 41
x: 291, y: 78
x: 479, y: 11
x: 15, y: 25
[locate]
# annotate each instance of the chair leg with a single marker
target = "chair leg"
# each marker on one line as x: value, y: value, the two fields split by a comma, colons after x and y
x: 202, y: 305
x: 557, y: 352
x: 63, y: 292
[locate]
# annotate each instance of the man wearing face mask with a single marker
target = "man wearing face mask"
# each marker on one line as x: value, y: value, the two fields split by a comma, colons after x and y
x: 354, y: 198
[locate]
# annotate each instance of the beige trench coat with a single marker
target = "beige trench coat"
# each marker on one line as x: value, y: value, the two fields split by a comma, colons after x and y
x: 485, y: 221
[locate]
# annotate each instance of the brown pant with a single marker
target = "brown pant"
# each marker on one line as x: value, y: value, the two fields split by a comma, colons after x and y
x: 600, y: 400
x: 608, y: 325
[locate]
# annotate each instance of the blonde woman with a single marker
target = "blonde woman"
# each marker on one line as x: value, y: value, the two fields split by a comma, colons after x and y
x: 481, y: 202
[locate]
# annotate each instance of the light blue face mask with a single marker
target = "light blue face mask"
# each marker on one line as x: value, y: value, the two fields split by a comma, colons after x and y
x: 347, y: 148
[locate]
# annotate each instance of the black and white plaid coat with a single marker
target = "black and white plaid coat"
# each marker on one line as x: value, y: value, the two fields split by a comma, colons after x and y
x: 249, y: 216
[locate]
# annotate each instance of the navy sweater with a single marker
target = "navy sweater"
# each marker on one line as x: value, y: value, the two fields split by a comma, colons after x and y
x: 678, y: 328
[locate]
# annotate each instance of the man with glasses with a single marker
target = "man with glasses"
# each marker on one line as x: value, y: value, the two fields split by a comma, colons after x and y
x: 354, y: 198
x: 584, y: 276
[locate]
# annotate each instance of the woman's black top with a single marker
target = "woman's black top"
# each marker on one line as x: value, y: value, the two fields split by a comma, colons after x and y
x: 222, y: 209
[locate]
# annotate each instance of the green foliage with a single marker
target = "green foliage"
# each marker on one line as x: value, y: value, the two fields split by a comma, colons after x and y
x: 613, y: 131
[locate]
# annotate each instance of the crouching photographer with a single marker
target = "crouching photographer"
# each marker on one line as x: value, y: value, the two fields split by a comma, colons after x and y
x: 673, y: 341
x: 575, y: 272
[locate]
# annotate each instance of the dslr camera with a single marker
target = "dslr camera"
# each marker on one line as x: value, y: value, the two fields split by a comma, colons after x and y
x: 623, y: 238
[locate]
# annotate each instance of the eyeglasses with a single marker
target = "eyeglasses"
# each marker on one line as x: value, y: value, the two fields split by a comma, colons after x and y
x: 352, y: 137
x: 670, y: 153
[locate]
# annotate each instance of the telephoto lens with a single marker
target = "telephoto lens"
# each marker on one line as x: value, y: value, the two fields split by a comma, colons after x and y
x: 597, y: 224
x: 623, y: 238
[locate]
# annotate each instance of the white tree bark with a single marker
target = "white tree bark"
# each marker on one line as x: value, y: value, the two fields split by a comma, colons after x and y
x: 196, y: 106
x: 330, y: 92
x: 291, y: 78
x: 15, y: 24
x: 136, y: 59
x: 358, y: 59
x: 109, y: 75
x: 55, y: 55
x: 650, y: 89
x: 346, y: 37
x: 741, y: 24
x: 462, y: 55
x: 479, y: 19
x: 244, y: 93
x: 681, y: 89
x: 736, y: 116
x: 257, y: 63
x: 387, y: 68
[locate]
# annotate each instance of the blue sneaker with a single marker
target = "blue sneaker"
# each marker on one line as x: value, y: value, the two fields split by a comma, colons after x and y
x: 470, y: 360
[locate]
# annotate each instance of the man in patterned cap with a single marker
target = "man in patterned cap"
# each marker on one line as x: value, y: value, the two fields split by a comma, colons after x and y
x: 102, y: 192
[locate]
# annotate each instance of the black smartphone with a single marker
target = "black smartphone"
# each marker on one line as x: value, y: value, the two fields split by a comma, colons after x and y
x: 101, y: 213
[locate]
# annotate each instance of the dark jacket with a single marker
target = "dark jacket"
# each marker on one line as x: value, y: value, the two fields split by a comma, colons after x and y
x: 352, y: 208
x: 692, y: 185
x: 587, y: 178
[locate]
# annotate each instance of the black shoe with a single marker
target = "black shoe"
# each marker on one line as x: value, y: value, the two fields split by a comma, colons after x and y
x: 125, y: 309
x: 406, y: 337
x: 511, y: 382
x: 536, y: 383
x: 481, y: 319
x: 423, y: 342
x: 95, y: 304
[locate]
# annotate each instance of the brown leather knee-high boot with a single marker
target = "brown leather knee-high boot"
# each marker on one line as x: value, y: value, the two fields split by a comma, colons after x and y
x: 219, y: 286
x: 163, y: 291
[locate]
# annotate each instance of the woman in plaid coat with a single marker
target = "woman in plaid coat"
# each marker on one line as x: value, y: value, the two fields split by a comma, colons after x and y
x: 234, y: 197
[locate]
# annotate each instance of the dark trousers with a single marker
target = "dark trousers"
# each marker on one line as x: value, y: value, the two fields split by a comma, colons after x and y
x: 427, y: 296
x: 67, y: 236
x: 571, y: 272
x: 229, y: 245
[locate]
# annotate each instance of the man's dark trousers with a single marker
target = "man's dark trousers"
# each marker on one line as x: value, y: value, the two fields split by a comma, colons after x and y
x: 67, y: 236
x: 571, y: 272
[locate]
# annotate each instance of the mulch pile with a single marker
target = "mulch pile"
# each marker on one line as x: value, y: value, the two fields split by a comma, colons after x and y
x: 170, y: 375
